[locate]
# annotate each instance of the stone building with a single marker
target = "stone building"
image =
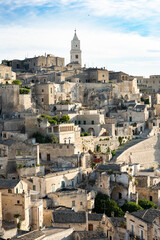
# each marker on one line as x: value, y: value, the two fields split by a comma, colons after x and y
x: 16, y: 200
x: 6, y: 73
x: 143, y: 224
x: 54, y: 181
x: 44, y: 96
x: 118, y: 76
x: 75, y: 198
x: 116, y: 184
x: 37, y: 63
x: 75, y: 53
x: 96, y: 235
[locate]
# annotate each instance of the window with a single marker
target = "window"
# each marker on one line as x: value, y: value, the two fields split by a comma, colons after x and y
x: 76, y: 56
x: 90, y: 227
x: 73, y: 203
x: 120, y: 195
x: 141, y: 235
x: 34, y: 187
x: 18, y: 152
x: 75, y: 122
x: 18, y: 202
x: 81, y: 203
x: 9, y: 190
x: 72, y: 183
x: 84, y: 122
x: 154, y: 124
x: 63, y: 184
x: 17, y: 190
x: 40, y: 155
x: 92, y: 122
x: 132, y: 229
x: 130, y: 119
x: 42, y: 99
x: 42, y: 90
x: 102, y: 75
x: 48, y: 157
x: 150, y: 198
x: 79, y: 122
x: 53, y: 188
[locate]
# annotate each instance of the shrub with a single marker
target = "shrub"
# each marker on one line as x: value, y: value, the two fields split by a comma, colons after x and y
x: 131, y: 207
x: 86, y: 134
x: 24, y: 91
x: 52, y: 138
x: 146, y: 204
x: 105, y: 205
x: 16, y: 82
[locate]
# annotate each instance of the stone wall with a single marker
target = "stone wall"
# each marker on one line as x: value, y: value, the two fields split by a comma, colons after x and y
x: 147, y: 153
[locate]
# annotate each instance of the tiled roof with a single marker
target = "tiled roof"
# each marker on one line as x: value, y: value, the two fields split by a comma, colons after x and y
x: 148, y: 215
x: 95, y: 217
x: 117, y: 221
x: 8, y: 183
x: 31, y: 236
x: 64, y: 216
x: 84, y: 235
x: 113, y: 167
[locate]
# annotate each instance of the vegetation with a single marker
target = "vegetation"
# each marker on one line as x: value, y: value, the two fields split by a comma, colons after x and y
x: 84, y: 134
x: 66, y: 102
x: 120, y: 139
x: 24, y: 91
x: 108, y: 150
x: 146, y: 101
x: 146, y: 204
x: 54, y: 119
x: 131, y: 207
x: 52, y: 138
x: 17, y: 82
x: 17, y: 215
x: 113, y: 152
x: 105, y: 205
x: 98, y: 148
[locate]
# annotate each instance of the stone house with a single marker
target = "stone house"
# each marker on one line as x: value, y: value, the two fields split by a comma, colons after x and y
x: 6, y: 74
x: 90, y: 121
x: 97, y: 75
x: 118, y: 76
x: 44, y: 96
x: 17, y: 200
x: 143, y: 224
x: 58, y: 180
x: 69, y: 218
x: 75, y: 198
x: 36, y: 63
x: 67, y: 133
x: 120, y: 186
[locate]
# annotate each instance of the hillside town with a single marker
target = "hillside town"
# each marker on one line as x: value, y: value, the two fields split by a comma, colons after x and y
x: 79, y: 151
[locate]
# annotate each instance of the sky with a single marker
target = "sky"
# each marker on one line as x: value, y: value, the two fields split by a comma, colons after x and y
x: 120, y: 35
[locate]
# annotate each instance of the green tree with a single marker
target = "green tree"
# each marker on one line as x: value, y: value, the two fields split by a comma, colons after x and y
x: 146, y: 204
x: 53, y: 138
x: 16, y: 82
x: 104, y: 204
x: 131, y: 207
x: 65, y: 119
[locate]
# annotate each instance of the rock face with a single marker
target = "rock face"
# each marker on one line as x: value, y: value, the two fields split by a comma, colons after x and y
x: 147, y: 153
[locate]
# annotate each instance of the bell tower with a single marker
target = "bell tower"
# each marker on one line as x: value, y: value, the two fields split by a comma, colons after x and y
x: 75, y: 53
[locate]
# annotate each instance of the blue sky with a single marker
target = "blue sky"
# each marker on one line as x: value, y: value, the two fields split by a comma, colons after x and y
x: 120, y: 35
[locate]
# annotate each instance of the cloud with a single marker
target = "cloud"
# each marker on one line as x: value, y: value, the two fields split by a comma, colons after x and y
x: 115, y: 51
